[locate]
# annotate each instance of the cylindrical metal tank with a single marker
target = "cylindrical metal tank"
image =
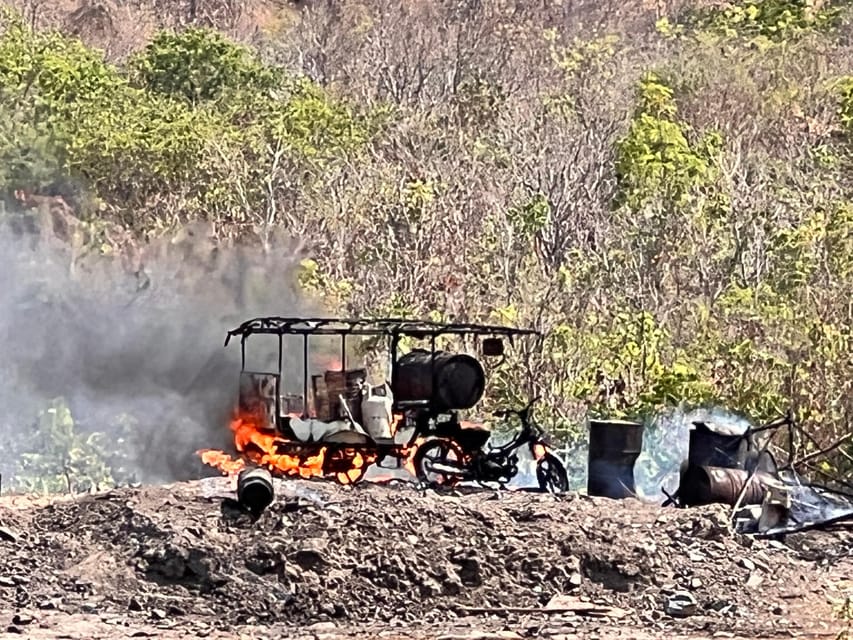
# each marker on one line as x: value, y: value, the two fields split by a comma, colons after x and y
x: 710, y: 485
x: 614, y: 446
x: 459, y: 379
x: 255, y: 489
x: 710, y: 448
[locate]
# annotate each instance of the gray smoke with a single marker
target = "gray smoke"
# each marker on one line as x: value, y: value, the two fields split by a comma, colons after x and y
x: 135, y: 355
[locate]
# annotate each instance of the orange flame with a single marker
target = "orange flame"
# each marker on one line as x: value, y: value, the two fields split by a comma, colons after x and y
x: 287, y: 457
x: 222, y: 461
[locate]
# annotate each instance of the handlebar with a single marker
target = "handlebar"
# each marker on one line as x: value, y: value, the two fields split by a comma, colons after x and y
x: 521, y: 413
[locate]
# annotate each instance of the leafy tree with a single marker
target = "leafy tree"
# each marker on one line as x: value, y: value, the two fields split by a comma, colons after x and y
x: 200, y: 65
x: 63, y: 460
x: 655, y: 158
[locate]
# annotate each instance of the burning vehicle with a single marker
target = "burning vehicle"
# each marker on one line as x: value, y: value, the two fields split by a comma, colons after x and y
x: 343, y: 422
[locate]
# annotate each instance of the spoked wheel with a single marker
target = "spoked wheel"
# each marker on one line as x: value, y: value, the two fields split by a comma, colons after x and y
x: 551, y: 474
x: 349, y: 465
x: 434, y: 453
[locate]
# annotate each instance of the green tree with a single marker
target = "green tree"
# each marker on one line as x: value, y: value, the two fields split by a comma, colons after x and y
x: 62, y: 459
x: 200, y: 65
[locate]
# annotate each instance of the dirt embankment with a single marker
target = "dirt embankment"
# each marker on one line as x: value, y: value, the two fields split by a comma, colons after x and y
x: 328, y: 561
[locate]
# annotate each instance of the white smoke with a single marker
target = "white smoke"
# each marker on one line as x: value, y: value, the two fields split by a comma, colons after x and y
x: 666, y: 439
x: 666, y: 443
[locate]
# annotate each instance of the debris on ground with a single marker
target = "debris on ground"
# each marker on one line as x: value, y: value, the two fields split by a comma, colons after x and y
x: 406, y: 560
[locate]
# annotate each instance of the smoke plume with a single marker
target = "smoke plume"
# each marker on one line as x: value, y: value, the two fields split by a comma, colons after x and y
x: 133, y: 339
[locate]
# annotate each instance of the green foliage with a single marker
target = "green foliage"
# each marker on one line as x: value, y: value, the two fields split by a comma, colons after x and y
x: 58, y: 74
x: 200, y: 65
x: 631, y: 366
x: 192, y: 114
x: 157, y: 148
x: 50, y: 85
x: 845, y: 90
x: 125, y: 143
x: 581, y: 55
x: 769, y: 20
x: 314, y: 281
x: 655, y: 159
x: 531, y: 217
x: 63, y: 459
x: 29, y: 155
x: 816, y: 248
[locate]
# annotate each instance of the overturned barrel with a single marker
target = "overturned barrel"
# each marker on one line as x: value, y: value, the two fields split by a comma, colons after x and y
x: 701, y: 485
x: 459, y: 379
x: 255, y: 489
x: 614, y: 446
x: 713, y: 446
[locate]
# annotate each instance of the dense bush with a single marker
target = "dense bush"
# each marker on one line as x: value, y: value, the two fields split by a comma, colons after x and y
x: 177, y: 125
x: 199, y: 66
x: 767, y: 21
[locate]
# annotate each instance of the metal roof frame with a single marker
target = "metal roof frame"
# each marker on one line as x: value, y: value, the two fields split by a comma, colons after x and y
x: 391, y: 328
x: 394, y: 327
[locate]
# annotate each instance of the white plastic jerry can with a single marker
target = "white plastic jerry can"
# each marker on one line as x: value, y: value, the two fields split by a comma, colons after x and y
x: 376, y: 415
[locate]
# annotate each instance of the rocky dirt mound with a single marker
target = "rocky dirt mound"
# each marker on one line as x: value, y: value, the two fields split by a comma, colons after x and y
x: 391, y: 555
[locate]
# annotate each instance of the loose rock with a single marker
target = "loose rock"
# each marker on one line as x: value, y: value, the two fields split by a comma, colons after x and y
x: 681, y: 604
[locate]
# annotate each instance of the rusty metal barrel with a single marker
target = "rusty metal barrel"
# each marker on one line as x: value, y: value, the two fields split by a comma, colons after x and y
x: 701, y: 485
x: 255, y: 489
x: 614, y: 446
x: 459, y: 379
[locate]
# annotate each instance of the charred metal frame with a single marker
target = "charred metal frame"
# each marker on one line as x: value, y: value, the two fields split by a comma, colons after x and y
x: 393, y: 328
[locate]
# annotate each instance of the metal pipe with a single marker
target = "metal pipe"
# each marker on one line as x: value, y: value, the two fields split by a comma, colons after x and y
x: 305, y: 376
x: 255, y: 489
x: 278, y: 386
x: 344, y: 352
x: 432, y: 375
x: 395, y: 343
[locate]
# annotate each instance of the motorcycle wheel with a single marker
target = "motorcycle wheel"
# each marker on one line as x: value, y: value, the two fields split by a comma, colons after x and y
x: 437, y: 450
x: 551, y: 474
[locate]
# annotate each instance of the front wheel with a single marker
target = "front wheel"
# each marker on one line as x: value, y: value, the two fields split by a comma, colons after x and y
x: 551, y: 474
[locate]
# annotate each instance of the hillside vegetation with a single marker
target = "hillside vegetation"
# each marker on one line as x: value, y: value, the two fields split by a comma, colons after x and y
x: 666, y: 193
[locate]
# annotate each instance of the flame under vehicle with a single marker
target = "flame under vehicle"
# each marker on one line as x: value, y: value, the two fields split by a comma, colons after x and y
x: 342, y: 423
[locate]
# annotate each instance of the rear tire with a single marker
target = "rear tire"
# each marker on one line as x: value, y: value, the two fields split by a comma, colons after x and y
x: 342, y: 463
x: 437, y: 450
x: 551, y: 474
